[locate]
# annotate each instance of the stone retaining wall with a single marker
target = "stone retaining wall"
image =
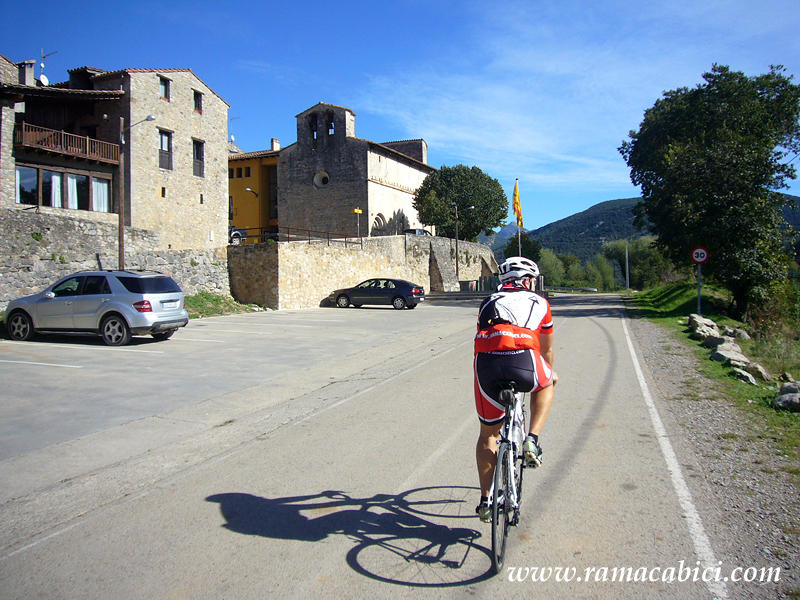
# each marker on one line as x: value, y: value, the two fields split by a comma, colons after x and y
x: 36, y: 249
x: 301, y: 275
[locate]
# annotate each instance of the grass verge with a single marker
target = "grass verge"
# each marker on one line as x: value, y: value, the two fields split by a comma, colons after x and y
x: 205, y: 304
x: 670, y: 305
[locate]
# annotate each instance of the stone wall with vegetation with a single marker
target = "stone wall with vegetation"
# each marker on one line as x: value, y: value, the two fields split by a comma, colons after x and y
x: 301, y: 275
x: 36, y: 249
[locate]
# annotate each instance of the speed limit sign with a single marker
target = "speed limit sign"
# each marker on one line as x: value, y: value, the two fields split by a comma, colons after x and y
x: 699, y: 255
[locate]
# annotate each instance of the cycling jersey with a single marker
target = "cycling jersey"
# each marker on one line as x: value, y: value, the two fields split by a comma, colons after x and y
x: 512, y: 319
x: 510, y: 322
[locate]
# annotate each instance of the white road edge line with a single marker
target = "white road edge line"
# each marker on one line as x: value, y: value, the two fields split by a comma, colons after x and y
x: 702, y: 545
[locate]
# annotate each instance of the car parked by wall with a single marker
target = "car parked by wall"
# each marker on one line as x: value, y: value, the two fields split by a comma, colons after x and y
x: 396, y: 292
x: 236, y: 235
x: 112, y: 304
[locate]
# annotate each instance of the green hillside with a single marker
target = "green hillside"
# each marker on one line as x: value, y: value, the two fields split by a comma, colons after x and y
x: 584, y: 233
x: 792, y: 216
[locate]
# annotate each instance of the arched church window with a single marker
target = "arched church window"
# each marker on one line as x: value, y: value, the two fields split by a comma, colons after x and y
x: 313, y: 130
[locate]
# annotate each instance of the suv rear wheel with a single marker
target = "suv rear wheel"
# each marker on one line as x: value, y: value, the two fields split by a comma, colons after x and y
x: 115, y: 331
x: 164, y: 335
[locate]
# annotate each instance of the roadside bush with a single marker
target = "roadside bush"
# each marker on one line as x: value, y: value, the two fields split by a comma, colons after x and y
x: 778, y: 314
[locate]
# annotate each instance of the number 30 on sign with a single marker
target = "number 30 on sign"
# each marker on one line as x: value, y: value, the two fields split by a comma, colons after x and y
x: 699, y: 255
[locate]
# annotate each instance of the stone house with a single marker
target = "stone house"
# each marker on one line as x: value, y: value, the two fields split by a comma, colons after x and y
x: 329, y: 174
x: 61, y: 149
x: 63, y: 169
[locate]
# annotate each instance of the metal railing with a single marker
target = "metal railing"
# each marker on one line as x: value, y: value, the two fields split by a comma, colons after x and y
x: 52, y: 140
x: 292, y: 234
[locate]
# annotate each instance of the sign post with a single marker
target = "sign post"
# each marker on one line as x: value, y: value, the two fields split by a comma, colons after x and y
x: 699, y: 257
x: 357, y: 213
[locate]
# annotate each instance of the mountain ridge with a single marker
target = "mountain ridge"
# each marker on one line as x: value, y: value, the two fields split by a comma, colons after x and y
x: 583, y: 234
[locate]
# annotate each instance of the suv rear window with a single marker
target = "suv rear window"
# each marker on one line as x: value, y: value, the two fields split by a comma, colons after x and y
x: 150, y: 285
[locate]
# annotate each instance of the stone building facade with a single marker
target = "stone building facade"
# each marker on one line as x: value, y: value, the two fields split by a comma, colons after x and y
x: 176, y: 166
x: 61, y: 151
x: 329, y: 172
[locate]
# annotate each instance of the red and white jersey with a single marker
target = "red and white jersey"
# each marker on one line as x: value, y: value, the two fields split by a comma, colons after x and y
x: 512, y: 319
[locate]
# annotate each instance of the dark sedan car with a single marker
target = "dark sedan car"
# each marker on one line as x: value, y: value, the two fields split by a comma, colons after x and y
x: 398, y: 293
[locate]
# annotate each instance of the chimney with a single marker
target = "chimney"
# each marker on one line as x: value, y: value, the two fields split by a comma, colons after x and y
x: 276, y: 145
x: 26, y: 76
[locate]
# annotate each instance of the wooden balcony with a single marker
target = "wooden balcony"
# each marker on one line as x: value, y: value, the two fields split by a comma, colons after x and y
x: 61, y: 142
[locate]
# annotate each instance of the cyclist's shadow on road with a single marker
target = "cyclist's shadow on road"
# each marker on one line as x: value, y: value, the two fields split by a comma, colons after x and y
x: 390, y: 532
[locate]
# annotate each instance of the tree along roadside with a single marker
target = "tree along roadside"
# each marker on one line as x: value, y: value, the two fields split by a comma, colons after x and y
x: 709, y: 161
x: 461, y: 198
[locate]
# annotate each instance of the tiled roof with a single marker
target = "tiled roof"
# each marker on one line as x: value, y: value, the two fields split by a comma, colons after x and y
x: 326, y: 104
x: 87, y: 68
x: 50, y: 91
x: 118, y: 71
x: 402, y: 141
x: 259, y: 154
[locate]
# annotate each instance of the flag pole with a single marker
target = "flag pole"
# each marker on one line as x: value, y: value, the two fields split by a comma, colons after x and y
x: 518, y: 212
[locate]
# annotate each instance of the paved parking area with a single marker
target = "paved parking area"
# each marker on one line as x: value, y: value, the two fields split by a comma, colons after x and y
x: 57, y: 389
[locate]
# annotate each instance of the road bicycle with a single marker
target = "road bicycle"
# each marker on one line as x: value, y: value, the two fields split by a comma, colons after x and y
x: 506, y: 493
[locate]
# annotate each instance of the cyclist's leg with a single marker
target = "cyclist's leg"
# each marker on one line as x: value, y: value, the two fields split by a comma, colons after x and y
x: 541, y: 402
x: 491, y: 416
x: 542, y: 396
x: 486, y: 455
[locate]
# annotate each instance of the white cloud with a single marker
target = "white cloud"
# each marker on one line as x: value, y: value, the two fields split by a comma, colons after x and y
x: 548, y: 91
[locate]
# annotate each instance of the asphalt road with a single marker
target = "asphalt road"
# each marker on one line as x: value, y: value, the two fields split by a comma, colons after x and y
x: 330, y: 453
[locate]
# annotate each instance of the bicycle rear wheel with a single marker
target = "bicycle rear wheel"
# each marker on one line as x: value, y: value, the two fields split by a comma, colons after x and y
x: 501, y: 505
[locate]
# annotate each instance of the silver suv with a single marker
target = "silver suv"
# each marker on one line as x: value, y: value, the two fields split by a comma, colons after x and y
x: 112, y: 304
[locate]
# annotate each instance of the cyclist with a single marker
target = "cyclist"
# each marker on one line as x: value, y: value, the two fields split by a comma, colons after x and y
x: 514, y: 341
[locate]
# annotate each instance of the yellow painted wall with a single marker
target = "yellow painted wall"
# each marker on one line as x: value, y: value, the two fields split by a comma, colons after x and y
x: 251, y: 212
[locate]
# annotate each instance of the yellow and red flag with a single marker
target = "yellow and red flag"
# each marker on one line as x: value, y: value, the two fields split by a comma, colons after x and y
x: 516, y: 205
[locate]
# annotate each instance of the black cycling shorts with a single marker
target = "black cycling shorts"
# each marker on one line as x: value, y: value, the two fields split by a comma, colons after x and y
x: 526, y: 367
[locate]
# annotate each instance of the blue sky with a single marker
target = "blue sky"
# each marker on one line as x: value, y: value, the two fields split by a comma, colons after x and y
x: 542, y: 91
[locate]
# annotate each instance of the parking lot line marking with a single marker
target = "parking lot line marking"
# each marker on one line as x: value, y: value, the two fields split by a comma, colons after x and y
x: 86, y: 347
x: 275, y: 325
x: 185, y: 339
x: 240, y: 331
x: 38, y: 364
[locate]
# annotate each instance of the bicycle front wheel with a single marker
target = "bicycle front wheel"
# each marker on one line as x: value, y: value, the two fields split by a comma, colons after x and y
x: 501, y: 505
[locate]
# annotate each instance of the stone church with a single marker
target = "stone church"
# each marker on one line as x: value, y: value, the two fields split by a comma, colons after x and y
x: 329, y: 174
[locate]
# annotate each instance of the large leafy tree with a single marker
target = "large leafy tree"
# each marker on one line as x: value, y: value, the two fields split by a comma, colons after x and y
x: 479, y: 200
x: 709, y: 161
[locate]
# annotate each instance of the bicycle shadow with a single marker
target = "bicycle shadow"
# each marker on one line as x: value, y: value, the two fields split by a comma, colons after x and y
x: 398, y: 538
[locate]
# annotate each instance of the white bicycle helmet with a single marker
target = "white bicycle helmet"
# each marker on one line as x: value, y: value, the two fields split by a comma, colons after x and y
x: 518, y: 267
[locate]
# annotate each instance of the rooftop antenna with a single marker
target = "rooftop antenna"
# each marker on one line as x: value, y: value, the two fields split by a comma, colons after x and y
x: 42, y: 76
x: 231, y: 120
